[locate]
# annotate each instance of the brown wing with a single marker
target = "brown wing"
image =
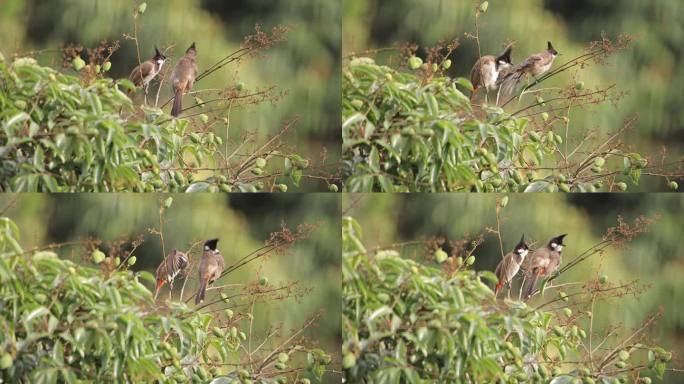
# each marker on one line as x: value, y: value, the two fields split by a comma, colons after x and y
x: 219, y: 264
x: 139, y: 72
x: 475, y: 76
x: 532, y: 60
x: 499, y: 271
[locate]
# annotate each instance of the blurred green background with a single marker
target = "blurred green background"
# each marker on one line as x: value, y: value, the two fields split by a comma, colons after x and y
x: 306, y: 66
x: 241, y: 222
x: 650, y: 71
x: 655, y: 258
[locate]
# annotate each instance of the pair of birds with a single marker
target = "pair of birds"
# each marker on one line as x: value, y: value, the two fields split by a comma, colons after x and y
x: 491, y: 72
x: 182, y: 78
x: 542, y: 264
x: 210, y: 268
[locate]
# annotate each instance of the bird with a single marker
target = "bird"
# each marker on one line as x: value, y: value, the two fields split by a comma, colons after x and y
x: 142, y: 74
x: 509, y: 266
x: 534, y: 65
x: 210, y: 268
x: 173, y: 264
x: 543, y: 263
x: 183, y: 78
x: 486, y: 69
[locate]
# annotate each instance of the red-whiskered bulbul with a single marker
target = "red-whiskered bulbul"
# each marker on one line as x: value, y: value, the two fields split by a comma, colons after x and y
x: 183, y: 78
x: 534, y: 65
x: 486, y: 70
x: 170, y: 267
x: 543, y: 263
x: 510, y: 265
x: 142, y: 74
x: 210, y: 268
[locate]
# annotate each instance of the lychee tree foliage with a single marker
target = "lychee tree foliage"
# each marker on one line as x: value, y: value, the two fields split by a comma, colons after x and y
x: 413, y: 128
x: 64, y: 133
x: 411, y: 322
x: 69, y: 323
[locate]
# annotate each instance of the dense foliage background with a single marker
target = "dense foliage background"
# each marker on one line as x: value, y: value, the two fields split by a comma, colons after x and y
x: 653, y: 258
x: 305, y: 67
x: 648, y: 71
x: 242, y: 224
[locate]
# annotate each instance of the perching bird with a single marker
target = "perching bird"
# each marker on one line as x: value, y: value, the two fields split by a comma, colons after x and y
x: 210, y: 268
x: 169, y: 268
x: 486, y: 70
x: 543, y: 263
x: 183, y: 78
x: 142, y: 74
x: 510, y: 265
x: 535, y: 65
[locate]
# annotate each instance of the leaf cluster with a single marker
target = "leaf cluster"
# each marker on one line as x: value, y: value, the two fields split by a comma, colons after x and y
x: 66, y: 322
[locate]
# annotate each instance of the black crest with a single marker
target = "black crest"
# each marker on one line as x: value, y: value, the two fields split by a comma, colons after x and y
x: 191, y: 48
x: 558, y: 239
x: 505, y: 56
x: 521, y: 244
x: 211, y: 244
x: 158, y: 55
x: 551, y: 49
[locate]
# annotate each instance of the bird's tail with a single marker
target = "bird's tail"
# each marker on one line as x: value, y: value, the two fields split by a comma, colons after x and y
x: 200, y: 293
x: 530, y: 285
x: 177, y: 103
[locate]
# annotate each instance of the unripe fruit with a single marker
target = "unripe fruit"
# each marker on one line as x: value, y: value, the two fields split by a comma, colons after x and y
x: 332, y: 188
x: 567, y: 312
x: 204, y: 118
x: 257, y: 171
x: 484, y: 6
x: 98, y: 256
x: 239, y: 86
x: 599, y: 161
x: 168, y: 202
x: 282, y: 187
x: 348, y: 361
x: 603, y: 279
x: 415, y: 62
x: 579, y: 85
x: 440, y: 256
x: 673, y: 185
x: 132, y: 260
x: 283, y: 357
x: 78, y: 63
x: 446, y: 64
x: 6, y: 361
x: 142, y: 7
x: 545, y: 116
x: 106, y: 66
x: 621, y: 186
x: 470, y: 260
x: 263, y: 280
x: 260, y: 162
